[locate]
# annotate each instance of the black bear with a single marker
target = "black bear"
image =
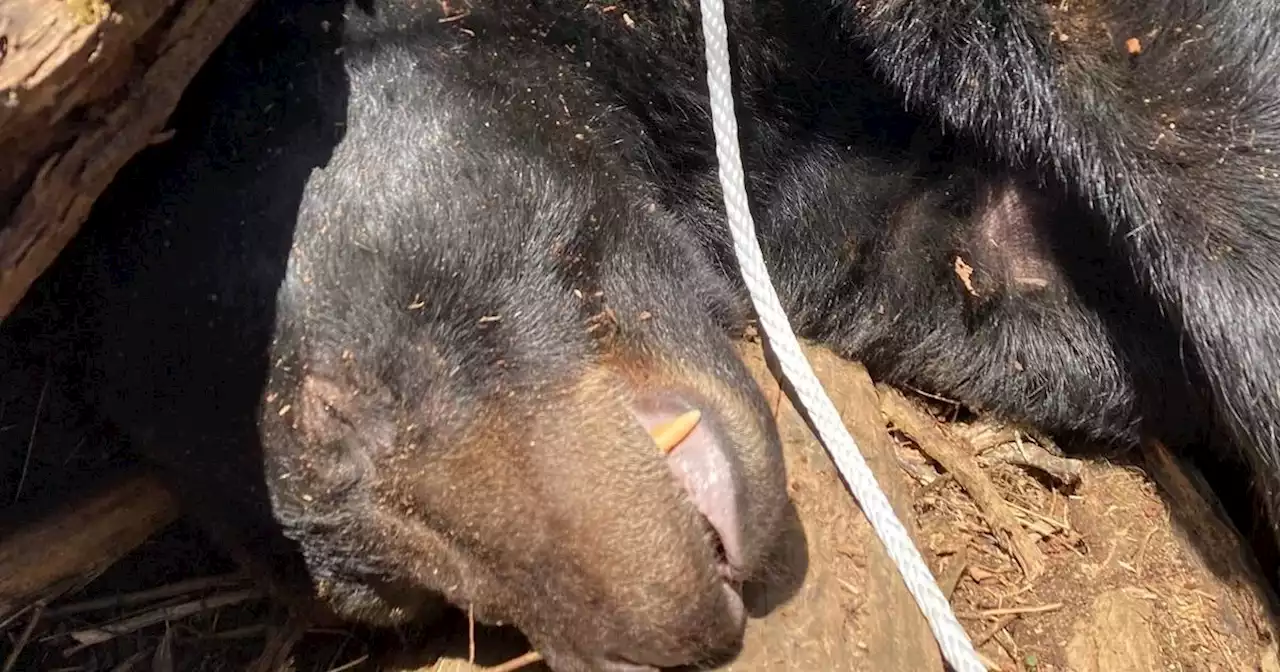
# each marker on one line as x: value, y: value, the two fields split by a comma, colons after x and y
x: 397, y: 314
x: 923, y: 252
x: 411, y: 282
x: 1140, y: 140
x: 1063, y: 212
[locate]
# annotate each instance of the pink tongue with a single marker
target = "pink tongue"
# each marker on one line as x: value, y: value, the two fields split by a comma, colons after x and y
x: 701, y: 465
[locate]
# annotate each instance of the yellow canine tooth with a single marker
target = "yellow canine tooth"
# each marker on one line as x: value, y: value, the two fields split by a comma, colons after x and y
x: 669, y: 434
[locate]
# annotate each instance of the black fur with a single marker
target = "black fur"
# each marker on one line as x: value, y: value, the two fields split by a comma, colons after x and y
x: 1168, y: 137
x: 1010, y: 203
x: 868, y: 213
x: 1112, y: 179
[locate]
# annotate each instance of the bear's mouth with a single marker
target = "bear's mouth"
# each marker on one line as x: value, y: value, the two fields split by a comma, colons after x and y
x: 700, y: 456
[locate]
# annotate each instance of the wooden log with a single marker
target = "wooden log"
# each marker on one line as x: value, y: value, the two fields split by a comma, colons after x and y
x: 853, y: 611
x: 71, y: 546
x: 1202, y: 529
x: 84, y: 86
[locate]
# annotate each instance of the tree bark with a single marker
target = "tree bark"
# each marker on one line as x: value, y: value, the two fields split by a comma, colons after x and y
x: 84, y: 86
x: 74, y: 545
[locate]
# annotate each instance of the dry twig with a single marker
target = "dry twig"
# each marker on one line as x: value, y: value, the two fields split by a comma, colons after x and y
x: 1001, y: 624
x: 81, y: 540
x: 1027, y: 454
x: 187, y: 587
x: 518, y: 663
x: 955, y: 571
x: 91, y: 636
x: 11, y: 661
x: 947, y: 450
x: 132, y: 661
x: 1014, y: 611
x: 280, y: 642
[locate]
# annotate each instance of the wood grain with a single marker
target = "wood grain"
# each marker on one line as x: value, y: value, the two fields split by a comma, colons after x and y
x: 84, y: 86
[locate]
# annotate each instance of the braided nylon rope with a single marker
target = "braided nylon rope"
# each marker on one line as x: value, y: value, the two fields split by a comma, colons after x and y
x: 952, y: 640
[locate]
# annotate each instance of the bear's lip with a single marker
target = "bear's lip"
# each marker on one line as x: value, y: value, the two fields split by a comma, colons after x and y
x: 704, y: 467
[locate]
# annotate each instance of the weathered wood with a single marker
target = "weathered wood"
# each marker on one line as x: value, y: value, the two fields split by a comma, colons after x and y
x: 84, y: 86
x: 853, y: 611
x: 76, y: 543
x: 1217, y: 543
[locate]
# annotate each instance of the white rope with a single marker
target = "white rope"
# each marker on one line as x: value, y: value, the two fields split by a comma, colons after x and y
x: 952, y: 640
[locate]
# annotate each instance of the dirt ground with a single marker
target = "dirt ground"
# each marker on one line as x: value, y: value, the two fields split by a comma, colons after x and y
x: 1051, y: 563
